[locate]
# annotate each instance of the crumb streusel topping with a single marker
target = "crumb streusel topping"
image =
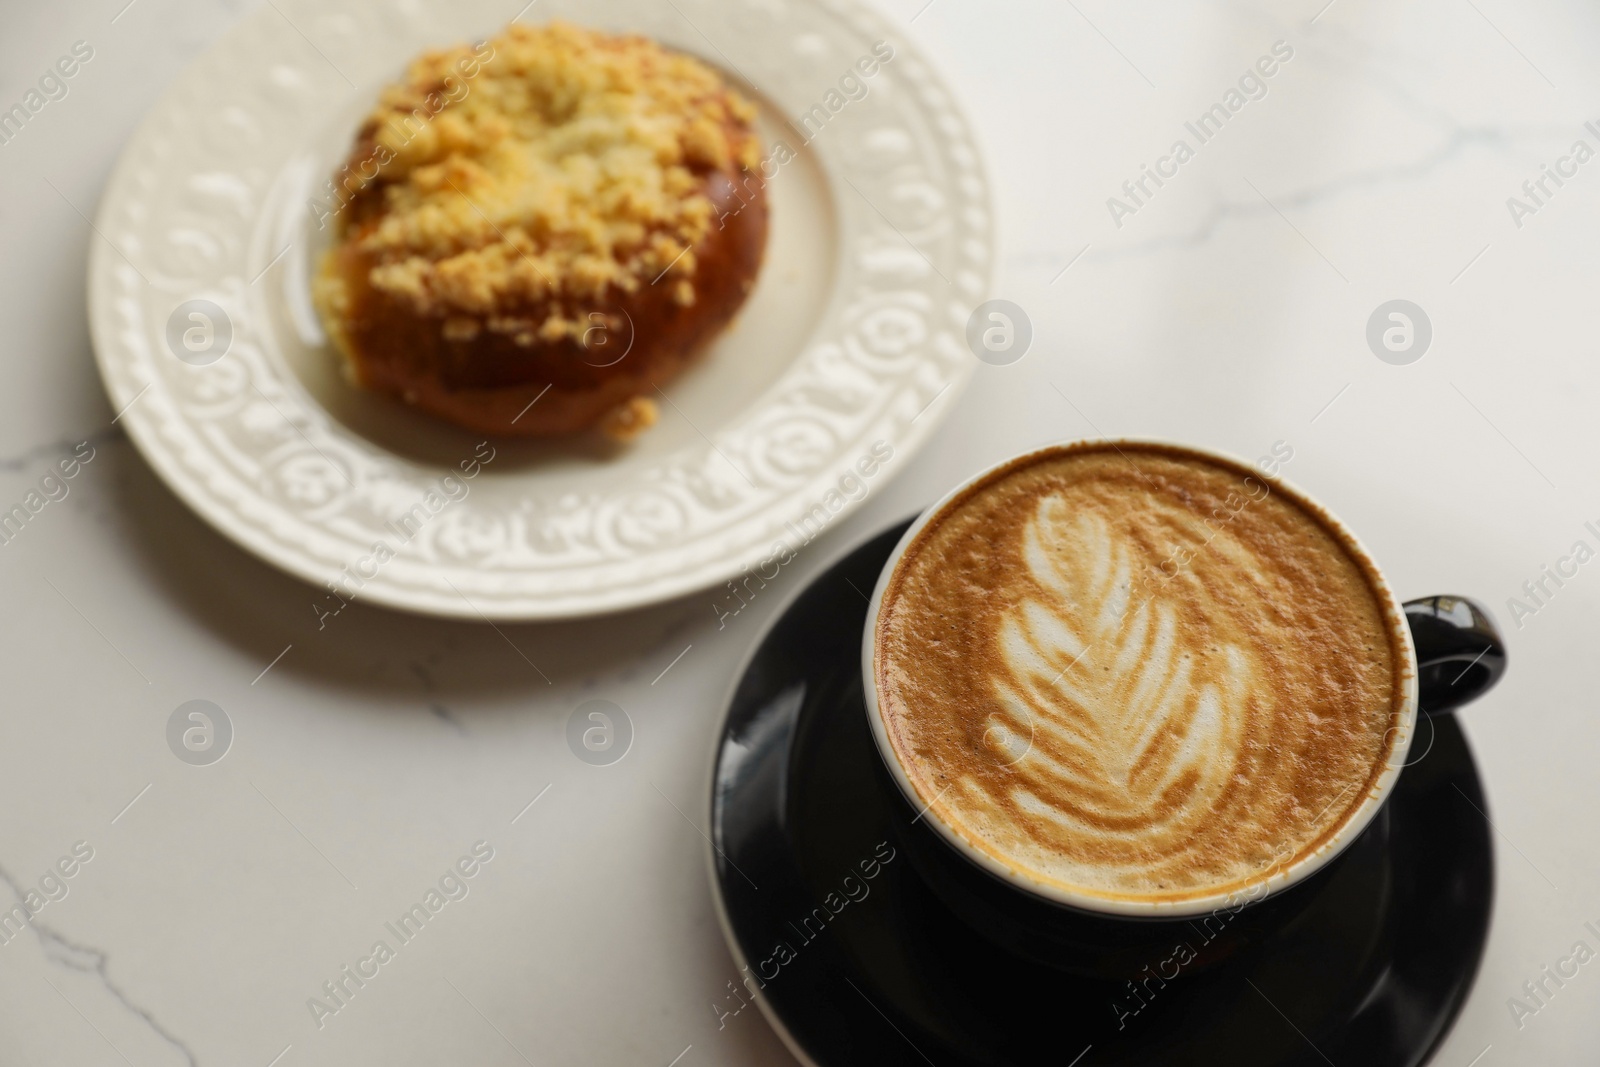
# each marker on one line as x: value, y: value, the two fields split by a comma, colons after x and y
x: 572, y: 163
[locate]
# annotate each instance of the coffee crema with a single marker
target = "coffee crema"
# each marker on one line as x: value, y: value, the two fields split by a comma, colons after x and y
x: 1137, y: 672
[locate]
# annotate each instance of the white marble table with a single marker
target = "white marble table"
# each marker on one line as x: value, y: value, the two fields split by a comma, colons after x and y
x: 1228, y: 309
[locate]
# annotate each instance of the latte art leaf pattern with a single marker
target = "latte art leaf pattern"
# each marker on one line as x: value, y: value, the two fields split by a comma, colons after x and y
x: 1137, y: 673
x: 1135, y: 733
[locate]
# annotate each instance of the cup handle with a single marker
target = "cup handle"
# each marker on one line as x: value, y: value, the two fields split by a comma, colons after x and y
x: 1460, y: 654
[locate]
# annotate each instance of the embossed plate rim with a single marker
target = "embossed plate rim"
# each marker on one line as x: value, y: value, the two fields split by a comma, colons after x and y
x: 904, y: 404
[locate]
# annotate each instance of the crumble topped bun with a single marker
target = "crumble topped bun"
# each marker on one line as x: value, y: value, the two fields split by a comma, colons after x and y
x: 537, y: 231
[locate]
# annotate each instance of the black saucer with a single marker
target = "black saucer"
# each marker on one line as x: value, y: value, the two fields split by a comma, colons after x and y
x: 876, y: 970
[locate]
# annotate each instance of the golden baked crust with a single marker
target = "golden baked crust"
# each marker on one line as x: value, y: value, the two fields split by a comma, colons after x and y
x: 518, y: 214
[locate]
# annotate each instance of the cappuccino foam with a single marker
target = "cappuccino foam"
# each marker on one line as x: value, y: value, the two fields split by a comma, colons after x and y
x: 1137, y: 672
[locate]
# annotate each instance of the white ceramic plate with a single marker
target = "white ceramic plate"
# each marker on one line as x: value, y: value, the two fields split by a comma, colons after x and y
x: 881, y: 246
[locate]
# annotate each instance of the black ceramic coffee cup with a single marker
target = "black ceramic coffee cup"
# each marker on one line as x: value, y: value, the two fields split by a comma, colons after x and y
x: 1456, y: 654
